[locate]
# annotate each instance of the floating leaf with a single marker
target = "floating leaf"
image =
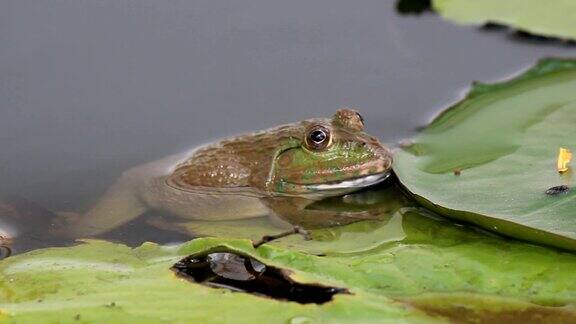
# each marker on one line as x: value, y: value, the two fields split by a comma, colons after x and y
x: 100, y: 281
x: 491, y: 159
x: 554, y: 18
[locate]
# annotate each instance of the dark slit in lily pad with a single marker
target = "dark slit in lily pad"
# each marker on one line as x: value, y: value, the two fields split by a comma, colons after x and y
x: 245, y: 274
x: 557, y: 190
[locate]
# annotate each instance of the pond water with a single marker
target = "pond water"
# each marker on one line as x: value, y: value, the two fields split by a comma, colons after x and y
x: 91, y: 88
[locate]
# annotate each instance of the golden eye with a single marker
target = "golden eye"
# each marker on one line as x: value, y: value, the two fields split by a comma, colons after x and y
x: 317, y: 138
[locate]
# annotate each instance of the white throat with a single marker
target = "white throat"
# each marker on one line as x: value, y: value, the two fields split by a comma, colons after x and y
x: 353, y: 183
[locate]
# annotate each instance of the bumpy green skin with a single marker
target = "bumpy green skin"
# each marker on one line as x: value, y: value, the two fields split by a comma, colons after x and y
x: 340, y: 162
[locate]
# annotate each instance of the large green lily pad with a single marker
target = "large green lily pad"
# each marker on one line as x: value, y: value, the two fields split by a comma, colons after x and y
x: 104, y: 282
x: 490, y: 159
x: 440, y: 271
x: 553, y: 18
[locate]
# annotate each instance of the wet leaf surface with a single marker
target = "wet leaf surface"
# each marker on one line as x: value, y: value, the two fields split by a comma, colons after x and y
x: 103, y: 281
x: 470, y: 308
x: 503, y: 139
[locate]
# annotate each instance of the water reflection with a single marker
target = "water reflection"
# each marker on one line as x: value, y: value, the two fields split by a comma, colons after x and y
x: 25, y: 225
x: 386, y: 202
x: 397, y: 219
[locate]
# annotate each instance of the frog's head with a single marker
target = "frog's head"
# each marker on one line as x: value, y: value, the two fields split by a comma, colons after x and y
x: 331, y: 157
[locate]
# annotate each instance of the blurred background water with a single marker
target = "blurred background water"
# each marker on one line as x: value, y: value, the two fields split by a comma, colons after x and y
x: 90, y: 88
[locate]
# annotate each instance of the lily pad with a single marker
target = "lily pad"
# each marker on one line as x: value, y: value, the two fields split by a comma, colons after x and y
x: 423, y: 278
x: 490, y: 159
x: 555, y: 18
x: 100, y: 281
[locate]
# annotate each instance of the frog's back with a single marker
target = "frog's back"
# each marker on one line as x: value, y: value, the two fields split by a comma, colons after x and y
x: 212, y: 182
x: 239, y: 163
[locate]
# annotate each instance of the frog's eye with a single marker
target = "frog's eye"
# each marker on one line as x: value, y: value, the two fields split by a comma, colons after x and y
x: 318, y: 138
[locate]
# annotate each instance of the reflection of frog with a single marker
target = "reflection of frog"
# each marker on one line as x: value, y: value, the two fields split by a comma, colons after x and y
x: 277, y: 172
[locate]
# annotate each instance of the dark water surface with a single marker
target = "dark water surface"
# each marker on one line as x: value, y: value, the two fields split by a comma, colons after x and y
x: 90, y: 88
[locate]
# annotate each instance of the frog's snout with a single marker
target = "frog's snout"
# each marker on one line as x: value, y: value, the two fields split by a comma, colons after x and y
x: 384, y: 155
x: 381, y: 162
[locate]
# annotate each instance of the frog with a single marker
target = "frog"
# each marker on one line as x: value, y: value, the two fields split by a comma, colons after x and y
x: 277, y: 173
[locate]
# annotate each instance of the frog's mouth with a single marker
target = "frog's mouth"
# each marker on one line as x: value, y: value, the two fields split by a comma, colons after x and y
x: 354, y: 183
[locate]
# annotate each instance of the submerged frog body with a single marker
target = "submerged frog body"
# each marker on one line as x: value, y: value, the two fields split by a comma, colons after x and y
x: 276, y: 172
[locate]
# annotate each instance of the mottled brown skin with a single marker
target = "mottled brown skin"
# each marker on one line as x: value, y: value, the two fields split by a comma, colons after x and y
x: 245, y: 161
x: 240, y: 162
x: 277, y: 172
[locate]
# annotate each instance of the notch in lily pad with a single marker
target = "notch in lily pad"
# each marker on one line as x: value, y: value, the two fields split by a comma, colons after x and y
x: 227, y: 269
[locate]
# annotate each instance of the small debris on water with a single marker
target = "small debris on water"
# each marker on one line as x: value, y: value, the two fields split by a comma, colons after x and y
x: 557, y: 190
x: 457, y: 171
x: 241, y: 273
x: 564, y: 157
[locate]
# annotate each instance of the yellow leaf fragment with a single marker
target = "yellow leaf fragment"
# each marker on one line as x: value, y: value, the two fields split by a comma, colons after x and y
x: 564, y: 157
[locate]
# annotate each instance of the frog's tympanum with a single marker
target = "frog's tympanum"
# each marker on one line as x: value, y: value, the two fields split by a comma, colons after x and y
x: 276, y: 172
